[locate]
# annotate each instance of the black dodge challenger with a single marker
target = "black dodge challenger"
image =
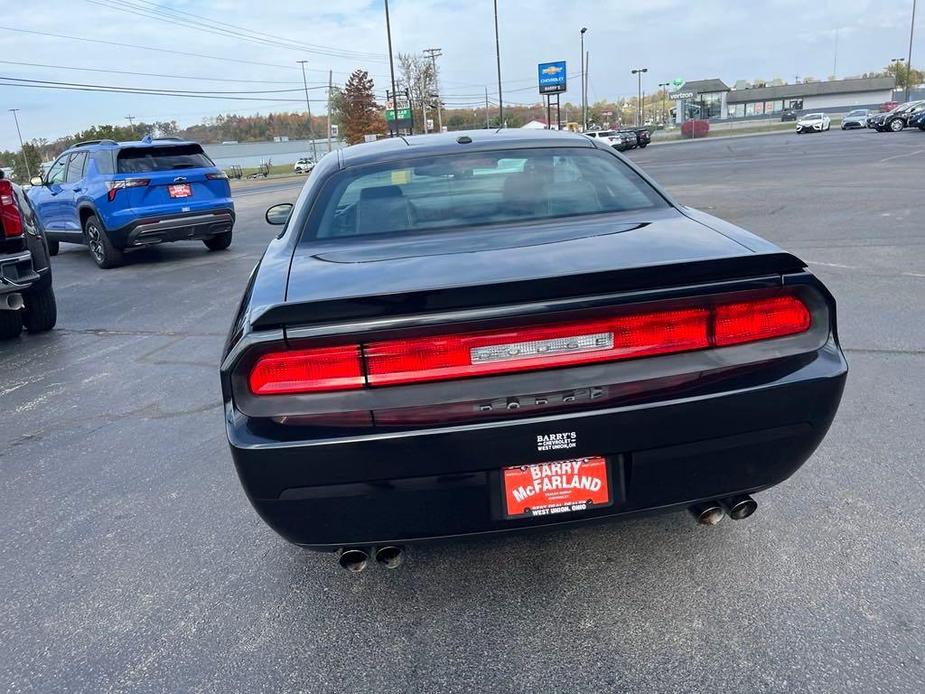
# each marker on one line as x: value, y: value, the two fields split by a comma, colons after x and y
x: 490, y: 331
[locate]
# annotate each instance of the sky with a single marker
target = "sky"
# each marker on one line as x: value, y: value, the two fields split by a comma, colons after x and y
x: 250, y: 49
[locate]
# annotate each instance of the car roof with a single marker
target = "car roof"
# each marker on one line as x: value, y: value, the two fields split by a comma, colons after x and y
x: 147, y: 142
x: 407, y: 147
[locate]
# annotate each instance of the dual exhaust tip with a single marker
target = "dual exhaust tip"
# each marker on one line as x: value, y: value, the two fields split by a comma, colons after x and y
x: 11, y: 302
x: 356, y: 559
x: 736, y: 507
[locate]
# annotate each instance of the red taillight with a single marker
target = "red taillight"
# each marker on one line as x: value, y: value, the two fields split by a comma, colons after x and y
x: 748, y: 321
x: 527, y: 349
x: 217, y: 176
x: 461, y: 355
x: 307, y: 371
x: 116, y: 186
x: 9, y: 211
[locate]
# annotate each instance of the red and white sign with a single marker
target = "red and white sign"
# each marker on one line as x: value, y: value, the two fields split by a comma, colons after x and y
x: 180, y: 190
x: 547, y: 489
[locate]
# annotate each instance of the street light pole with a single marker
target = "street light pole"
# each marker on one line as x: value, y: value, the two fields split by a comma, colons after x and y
x: 898, y: 62
x: 311, y: 130
x: 909, y: 59
x: 22, y: 147
x: 638, y: 72
x: 498, y: 58
x: 584, y: 109
x: 664, y: 87
x: 393, y: 131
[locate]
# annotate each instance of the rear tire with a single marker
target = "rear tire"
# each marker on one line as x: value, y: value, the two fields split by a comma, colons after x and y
x: 10, y: 324
x: 897, y: 125
x: 104, y: 254
x: 219, y: 242
x: 41, y: 312
x: 53, y: 247
x: 643, y: 146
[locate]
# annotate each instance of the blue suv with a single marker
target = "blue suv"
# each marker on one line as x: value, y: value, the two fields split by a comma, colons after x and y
x: 118, y: 196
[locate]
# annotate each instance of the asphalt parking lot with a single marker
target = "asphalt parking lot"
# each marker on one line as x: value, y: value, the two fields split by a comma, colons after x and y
x: 133, y: 562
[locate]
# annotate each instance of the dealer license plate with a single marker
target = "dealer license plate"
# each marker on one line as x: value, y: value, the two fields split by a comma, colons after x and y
x: 547, y: 489
x: 180, y: 190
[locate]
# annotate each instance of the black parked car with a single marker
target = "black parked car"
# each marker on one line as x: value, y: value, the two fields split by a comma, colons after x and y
x: 790, y: 114
x: 493, y: 331
x: 918, y: 120
x: 26, y: 295
x: 631, y: 138
x: 643, y: 137
x: 897, y: 119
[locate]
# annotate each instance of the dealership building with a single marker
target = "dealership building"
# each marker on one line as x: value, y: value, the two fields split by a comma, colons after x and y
x: 715, y: 100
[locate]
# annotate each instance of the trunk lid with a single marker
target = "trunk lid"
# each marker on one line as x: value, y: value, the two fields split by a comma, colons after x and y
x: 492, y: 266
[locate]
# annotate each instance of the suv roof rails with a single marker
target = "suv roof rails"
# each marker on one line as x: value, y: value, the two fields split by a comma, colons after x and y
x: 95, y: 142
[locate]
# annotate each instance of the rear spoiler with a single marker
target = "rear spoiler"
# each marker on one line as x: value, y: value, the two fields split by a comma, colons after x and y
x: 542, y: 289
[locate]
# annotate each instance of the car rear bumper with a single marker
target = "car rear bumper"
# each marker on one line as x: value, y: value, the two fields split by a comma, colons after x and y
x: 182, y: 227
x: 17, y: 272
x: 404, y: 486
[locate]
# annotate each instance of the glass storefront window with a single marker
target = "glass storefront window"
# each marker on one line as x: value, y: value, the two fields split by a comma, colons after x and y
x: 759, y: 108
x: 749, y: 109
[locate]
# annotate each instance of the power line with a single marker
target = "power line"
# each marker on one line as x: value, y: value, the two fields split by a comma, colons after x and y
x: 156, y: 89
x: 145, y: 48
x: 300, y: 45
x: 76, y: 86
x: 150, y: 74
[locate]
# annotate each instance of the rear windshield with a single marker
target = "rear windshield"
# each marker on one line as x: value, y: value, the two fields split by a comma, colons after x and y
x: 477, y: 189
x: 162, y: 158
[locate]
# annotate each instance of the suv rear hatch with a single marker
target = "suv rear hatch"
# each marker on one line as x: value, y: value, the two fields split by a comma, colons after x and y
x: 168, y: 178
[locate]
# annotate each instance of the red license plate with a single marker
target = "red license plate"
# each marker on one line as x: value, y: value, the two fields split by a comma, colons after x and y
x: 180, y: 190
x: 547, y: 489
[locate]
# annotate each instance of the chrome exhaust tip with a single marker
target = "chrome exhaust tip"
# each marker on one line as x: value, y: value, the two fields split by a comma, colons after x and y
x: 353, y: 559
x: 739, y: 507
x: 390, y: 556
x: 11, y: 302
x: 709, y: 513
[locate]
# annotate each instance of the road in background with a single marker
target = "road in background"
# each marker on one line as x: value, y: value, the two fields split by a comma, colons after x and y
x: 133, y: 562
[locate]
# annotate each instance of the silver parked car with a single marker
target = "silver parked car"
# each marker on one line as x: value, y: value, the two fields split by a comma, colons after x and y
x: 855, y: 119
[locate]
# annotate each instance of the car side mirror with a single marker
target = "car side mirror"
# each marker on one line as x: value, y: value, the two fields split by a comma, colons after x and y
x: 37, y: 181
x: 279, y: 214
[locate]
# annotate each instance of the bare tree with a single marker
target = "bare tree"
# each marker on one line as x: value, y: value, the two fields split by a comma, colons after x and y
x: 416, y: 74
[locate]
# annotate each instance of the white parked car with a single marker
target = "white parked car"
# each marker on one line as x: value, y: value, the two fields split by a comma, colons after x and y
x: 813, y: 123
x: 304, y: 165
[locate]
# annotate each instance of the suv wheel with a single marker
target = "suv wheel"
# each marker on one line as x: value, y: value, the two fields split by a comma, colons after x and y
x: 41, y: 311
x: 10, y: 324
x: 219, y: 242
x: 53, y: 247
x: 104, y: 253
x: 897, y: 125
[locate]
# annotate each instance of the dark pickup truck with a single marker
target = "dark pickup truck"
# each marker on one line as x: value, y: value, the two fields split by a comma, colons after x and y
x: 26, y: 295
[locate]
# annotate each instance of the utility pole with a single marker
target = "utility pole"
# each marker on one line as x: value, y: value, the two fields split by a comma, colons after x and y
x: 584, y: 115
x: 393, y: 131
x: 498, y: 58
x: 835, y: 60
x: 433, y: 54
x: 131, y: 121
x: 487, y: 124
x: 584, y: 80
x: 22, y: 147
x: 330, y: 89
x: 909, y: 59
x: 664, y: 87
x: 638, y: 72
x: 308, y: 106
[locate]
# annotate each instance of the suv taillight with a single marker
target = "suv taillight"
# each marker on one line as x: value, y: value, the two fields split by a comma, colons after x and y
x: 115, y: 186
x: 217, y: 176
x: 9, y: 211
x: 531, y: 348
